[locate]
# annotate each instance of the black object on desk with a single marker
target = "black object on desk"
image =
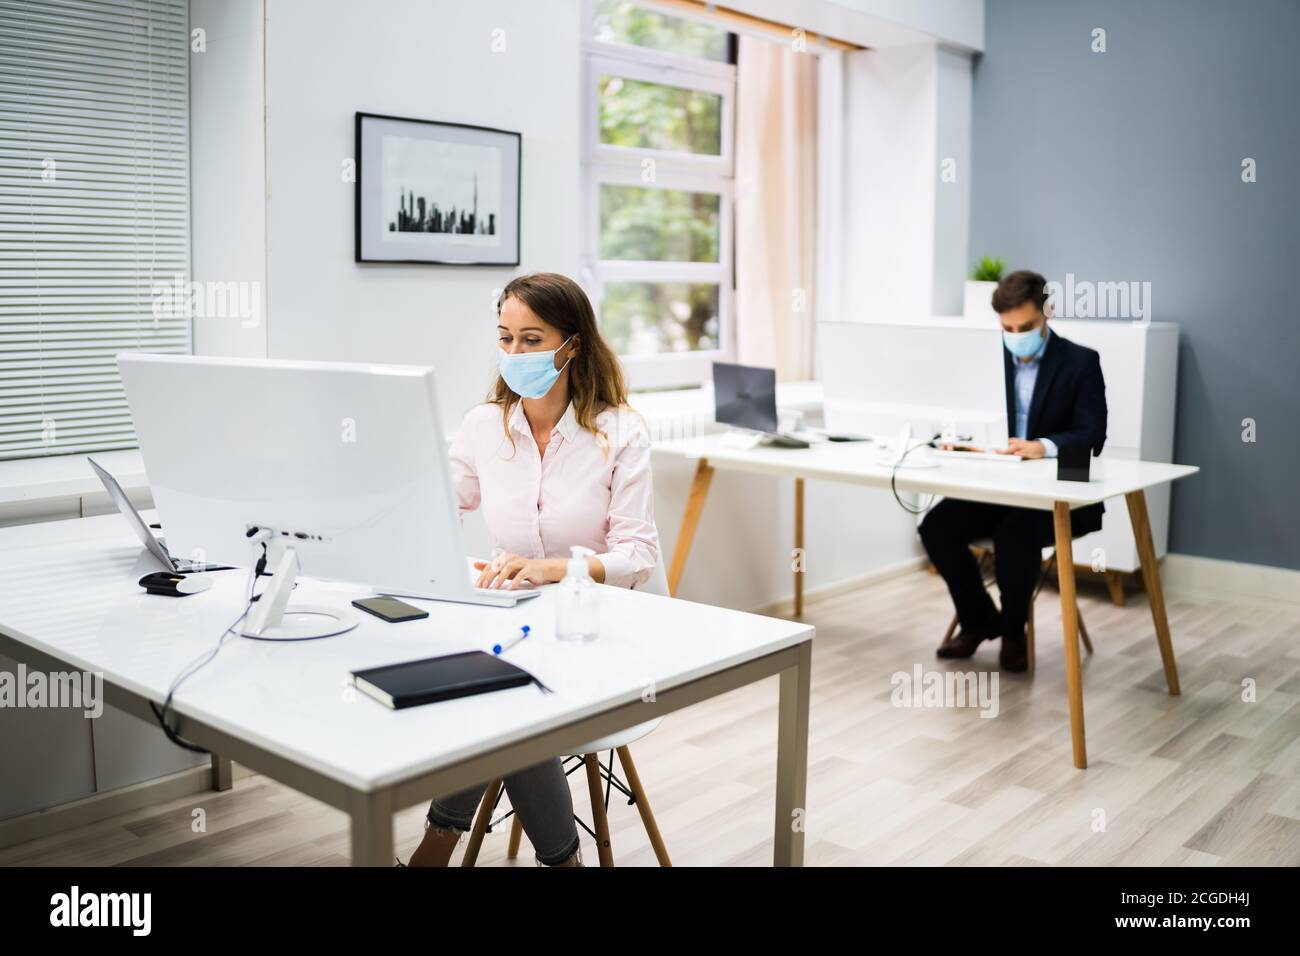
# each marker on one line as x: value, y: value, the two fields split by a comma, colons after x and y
x: 1072, y: 464
x: 174, y: 585
x: 440, y: 678
x: 390, y: 609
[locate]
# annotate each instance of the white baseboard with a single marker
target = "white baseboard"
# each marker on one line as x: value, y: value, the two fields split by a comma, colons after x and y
x: 1185, y: 573
x: 1192, y: 574
x: 836, y: 588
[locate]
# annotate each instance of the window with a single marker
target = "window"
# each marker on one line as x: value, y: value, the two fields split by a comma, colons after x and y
x: 660, y: 95
x: 94, y: 212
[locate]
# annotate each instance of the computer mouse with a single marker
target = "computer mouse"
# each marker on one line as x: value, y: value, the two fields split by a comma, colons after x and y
x: 174, y: 585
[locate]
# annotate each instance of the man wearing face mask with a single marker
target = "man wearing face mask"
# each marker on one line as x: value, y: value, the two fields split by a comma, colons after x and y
x: 1056, y: 398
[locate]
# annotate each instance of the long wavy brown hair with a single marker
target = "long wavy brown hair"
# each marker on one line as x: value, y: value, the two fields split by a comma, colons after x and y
x: 595, y: 377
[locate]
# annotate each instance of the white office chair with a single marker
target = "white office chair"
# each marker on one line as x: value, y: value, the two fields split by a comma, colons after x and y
x: 588, y: 757
x: 983, y: 548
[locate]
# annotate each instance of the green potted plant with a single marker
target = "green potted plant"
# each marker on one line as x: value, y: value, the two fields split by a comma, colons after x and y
x: 977, y: 304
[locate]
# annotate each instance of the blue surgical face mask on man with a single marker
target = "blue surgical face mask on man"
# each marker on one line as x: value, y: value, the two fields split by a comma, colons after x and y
x: 1024, y: 345
x: 531, y: 374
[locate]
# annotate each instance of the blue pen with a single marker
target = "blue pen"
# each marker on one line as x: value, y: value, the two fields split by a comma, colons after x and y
x: 502, y: 648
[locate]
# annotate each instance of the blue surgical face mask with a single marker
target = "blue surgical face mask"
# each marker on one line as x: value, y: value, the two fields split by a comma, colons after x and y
x: 531, y: 374
x: 1024, y: 345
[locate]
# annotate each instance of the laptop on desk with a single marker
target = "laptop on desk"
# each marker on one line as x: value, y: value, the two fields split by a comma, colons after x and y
x: 154, y: 544
x: 744, y: 397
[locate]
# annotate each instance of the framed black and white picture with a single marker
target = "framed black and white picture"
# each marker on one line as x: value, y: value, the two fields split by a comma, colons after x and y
x: 432, y: 192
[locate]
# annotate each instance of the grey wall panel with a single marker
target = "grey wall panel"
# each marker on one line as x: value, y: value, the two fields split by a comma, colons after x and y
x: 128, y: 750
x: 1126, y: 165
x: 45, y: 756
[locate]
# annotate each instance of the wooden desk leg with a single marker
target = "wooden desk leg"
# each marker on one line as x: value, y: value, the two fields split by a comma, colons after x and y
x: 222, y: 773
x: 372, y: 829
x: 1070, y: 625
x: 792, y: 761
x: 1137, y: 512
x: 690, y: 518
x: 798, y: 547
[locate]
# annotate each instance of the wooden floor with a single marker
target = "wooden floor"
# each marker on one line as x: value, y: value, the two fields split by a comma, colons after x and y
x: 1201, y: 779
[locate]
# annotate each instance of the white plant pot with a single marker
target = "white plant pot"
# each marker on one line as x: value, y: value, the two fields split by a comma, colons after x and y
x: 976, y: 305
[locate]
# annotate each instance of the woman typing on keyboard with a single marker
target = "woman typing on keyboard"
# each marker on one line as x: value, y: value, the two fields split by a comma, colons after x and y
x: 554, y: 458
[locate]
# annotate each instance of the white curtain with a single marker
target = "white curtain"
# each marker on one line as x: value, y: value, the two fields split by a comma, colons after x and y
x: 776, y: 207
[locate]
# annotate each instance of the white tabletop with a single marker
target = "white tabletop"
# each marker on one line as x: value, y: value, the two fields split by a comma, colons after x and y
x: 69, y: 589
x: 1027, y: 484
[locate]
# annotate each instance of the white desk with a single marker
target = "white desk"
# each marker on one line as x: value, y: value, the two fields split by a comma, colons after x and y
x: 288, y: 710
x: 1028, y: 484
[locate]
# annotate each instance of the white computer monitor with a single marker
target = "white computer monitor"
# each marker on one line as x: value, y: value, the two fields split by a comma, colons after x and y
x: 937, y: 375
x: 343, y: 468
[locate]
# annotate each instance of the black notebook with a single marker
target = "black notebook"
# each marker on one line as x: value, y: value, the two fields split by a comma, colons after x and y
x: 440, y: 678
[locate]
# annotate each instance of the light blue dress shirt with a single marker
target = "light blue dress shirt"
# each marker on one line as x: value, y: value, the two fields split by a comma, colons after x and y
x: 1026, y: 377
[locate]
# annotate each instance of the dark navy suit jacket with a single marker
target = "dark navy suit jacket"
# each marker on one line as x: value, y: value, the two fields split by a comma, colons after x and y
x: 1068, y: 407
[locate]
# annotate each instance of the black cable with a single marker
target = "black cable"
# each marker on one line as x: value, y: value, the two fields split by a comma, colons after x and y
x: 204, y: 659
x: 893, y: 477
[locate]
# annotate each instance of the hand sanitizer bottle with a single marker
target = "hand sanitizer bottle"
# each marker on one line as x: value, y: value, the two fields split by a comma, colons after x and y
x: 577, y: 600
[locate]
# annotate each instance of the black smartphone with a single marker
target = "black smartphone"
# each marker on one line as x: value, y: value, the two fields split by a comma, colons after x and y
x: 390, y: 609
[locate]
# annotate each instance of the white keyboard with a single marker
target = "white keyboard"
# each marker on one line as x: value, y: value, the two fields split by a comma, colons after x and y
x: 503, y: 597
x: 975, y: 455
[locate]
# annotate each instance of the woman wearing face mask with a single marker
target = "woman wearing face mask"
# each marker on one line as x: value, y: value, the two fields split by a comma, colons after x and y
x: 554, y: 458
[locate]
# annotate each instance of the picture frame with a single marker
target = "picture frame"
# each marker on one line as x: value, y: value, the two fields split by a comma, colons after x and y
x: 435, y: 193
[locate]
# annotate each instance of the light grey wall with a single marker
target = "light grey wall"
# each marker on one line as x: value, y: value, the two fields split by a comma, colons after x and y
x: 1126, y: 165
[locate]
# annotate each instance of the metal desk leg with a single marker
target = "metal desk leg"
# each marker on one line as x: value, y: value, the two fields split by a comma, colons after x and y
x: 799, y: 556
x: 1070, y: 627
x: 222, y: 773
x: 372, y: 829
x: 792, y: 761
x: 1137, y: 512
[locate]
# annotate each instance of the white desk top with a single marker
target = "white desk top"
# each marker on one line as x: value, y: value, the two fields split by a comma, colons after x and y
x: 294, y: 699
x: 1027, y: 484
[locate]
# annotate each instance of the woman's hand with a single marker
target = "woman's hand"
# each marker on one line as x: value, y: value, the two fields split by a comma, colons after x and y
x: 511, y: 570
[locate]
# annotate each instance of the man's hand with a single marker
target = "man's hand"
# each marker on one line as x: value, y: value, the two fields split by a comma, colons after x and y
x: 1024, y: 448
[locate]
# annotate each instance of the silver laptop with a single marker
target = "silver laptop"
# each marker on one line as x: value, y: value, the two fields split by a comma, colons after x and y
x: 152, y: 543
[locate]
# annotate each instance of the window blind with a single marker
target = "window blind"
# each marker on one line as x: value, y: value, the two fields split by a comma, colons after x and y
x: 94, y: 212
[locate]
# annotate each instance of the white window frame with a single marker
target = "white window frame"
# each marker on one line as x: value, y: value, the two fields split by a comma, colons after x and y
x: 604, y: 164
